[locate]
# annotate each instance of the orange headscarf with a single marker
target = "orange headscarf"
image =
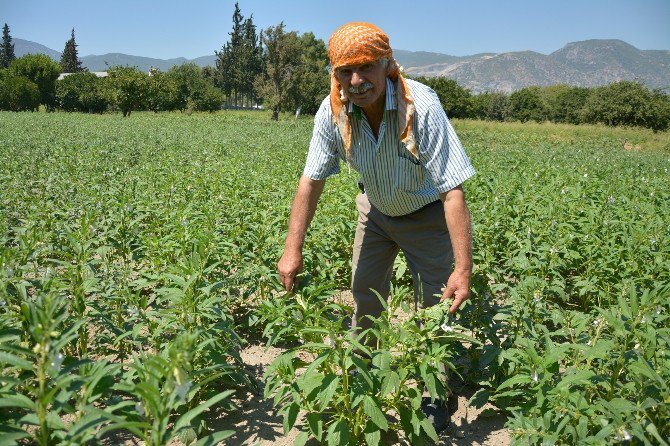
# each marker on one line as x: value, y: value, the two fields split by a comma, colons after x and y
x: 357, y: 43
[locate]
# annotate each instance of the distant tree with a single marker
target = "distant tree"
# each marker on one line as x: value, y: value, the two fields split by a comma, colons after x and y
x: 314, y: 79
x: 162, y: 92
x: 17, y: 93
x: 7, y: 50
x: 210, y: 74
x: 228, y: 60
x: 279, y: 83
x: 527, y: 104
x: 239, y: 61
x: 455, y: 100
x: 565, y: 103
x: 658, y: 112
x: 43, y: 71
x: 490, y: 106
x: 69, y: 60
x: 627, y: 103
x: 251, y: 59
x: 127, y: 89
x: 208, y: 99
x: 81, y: 92
x: 194, y: 91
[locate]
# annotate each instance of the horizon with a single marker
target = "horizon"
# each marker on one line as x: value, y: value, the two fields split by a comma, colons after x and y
x: 479, y: 26
x: 394, y: 49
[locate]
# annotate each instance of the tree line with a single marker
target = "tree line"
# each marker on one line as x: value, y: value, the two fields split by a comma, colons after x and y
x: 287, y: 71
x: 619, y: 103
x: 282, y: 70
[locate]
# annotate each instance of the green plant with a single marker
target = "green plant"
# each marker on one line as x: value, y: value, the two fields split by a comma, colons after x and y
x: 357, y: 385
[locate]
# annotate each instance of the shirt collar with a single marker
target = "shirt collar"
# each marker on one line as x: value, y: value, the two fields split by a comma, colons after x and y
x: 390, y: 97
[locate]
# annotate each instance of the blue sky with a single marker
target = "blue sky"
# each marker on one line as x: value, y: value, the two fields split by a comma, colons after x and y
x: 173, y: 28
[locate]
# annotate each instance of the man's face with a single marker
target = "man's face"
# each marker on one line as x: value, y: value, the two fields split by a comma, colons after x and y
x: 364, y: 85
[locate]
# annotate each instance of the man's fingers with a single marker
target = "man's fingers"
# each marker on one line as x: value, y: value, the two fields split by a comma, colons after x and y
x: 447, y: 292
x: 459, y: 298
x: 288, y: 281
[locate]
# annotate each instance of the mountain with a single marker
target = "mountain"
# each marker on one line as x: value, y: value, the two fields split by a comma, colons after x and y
x: 588, y: 63
x: 22, y: 47
x: 102, y: 62
x: 424, y: 58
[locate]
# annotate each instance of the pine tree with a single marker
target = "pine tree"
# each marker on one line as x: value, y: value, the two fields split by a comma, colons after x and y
x: 7, y: 51
x: 232, y: 62
x: 69, y: 61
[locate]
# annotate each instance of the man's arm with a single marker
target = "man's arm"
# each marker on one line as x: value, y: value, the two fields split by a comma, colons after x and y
x: 302, y: 211
x: 460, y: 230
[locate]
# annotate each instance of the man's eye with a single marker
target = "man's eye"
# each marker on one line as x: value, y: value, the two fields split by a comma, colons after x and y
x: 366, y: 67
x: 345, y: 72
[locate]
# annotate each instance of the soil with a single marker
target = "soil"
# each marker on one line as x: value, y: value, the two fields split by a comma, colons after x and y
x: 257, y: 423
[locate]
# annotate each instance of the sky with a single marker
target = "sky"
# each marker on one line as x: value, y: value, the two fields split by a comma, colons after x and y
x: 176, y: 28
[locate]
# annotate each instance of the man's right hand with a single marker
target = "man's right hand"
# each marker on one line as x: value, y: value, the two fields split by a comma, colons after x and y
x: 289, y: 266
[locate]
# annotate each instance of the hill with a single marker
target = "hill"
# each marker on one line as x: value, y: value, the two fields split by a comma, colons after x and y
x: 587, y: 63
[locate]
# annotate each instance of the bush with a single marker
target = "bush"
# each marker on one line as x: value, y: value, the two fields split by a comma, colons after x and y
x: 41, y: 70
x: 127, y: 89
x: 209, y: 99
x: 455, y: 99
x: 565, y: 103
x: 194, y: 91
x: 527, y: 105
x: 628, y: 103
x: 490, y: 106
x: 81, y: 92
x: 17, y: 93
x: 162, y: 94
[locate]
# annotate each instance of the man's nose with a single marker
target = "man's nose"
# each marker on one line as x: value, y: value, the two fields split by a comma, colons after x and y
x: 356, y: 78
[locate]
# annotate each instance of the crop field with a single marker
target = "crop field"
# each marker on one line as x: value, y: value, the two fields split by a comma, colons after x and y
x: 137, y: 261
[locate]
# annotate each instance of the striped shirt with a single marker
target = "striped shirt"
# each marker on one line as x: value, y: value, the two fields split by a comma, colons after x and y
x: 395, y: 181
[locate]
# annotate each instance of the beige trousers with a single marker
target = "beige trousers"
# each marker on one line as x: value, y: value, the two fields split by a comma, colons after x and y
x: 423, y: 238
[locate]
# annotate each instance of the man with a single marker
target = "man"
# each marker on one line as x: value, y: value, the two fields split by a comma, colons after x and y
x: 395, y: 133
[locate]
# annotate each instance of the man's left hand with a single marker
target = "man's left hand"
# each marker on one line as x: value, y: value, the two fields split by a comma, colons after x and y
x: 458, y: 287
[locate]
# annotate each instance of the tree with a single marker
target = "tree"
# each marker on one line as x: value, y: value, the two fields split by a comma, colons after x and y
x: 194, y: 91
x: 162, y: 92
x: 127, y: 88
x: 240, y: 60
x: 81, y: 92
x: 314, y: 80
x: 251, y: 59
x: 228, y: 59
x: 491, y: 106
x: 565, y: 103
x: 7, y: 51
x: 17, y: 93
x: 527, y: 105
x: 455, y: 100
x: 279, y: 83
x: 43, y: 71
x: 627, y: 103
x: 69, y: 61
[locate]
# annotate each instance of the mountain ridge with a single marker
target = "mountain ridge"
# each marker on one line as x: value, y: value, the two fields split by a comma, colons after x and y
x: 586, y: 63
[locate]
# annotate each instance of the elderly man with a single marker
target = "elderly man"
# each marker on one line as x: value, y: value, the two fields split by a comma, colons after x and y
x: 395, y: 133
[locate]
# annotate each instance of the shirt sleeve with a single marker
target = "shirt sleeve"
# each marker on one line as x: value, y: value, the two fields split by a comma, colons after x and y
x: 323, y: 158
x: 441, y: 152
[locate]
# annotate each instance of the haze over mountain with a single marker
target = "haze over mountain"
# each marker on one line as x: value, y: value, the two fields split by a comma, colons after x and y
x: 587, y: 63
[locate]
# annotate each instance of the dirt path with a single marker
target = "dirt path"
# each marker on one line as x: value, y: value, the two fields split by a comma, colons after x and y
x: 257, y: 423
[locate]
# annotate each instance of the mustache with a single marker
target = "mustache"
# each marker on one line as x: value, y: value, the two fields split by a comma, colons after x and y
x: 365, y: 86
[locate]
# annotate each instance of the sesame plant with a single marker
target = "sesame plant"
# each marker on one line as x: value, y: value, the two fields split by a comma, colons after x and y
x: 127, y: 246
x: 43, y: 384
x: 357, y: 386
